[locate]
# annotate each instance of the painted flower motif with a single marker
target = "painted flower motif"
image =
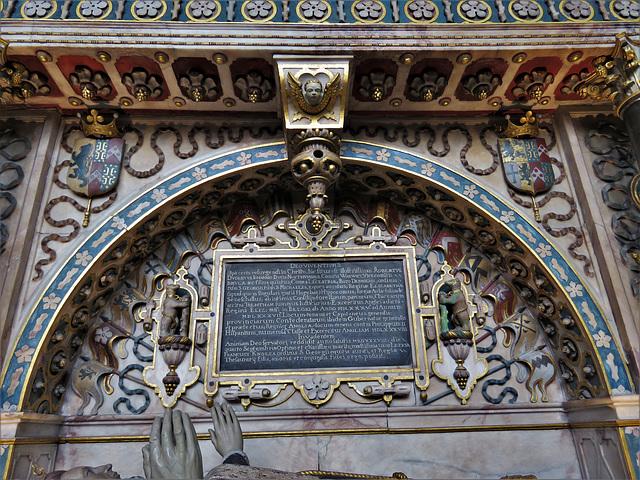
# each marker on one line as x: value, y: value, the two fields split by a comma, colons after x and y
x: 508, y: 216
x: 93, y: 8
x: 526, y: 9
x: 199, y: 173
x: 119, y: 223
x: 474, y: 9
x: 544, y: 250
x: 428, y: 169
x: 158, y: 194
x: 383, y: 155
x: 635, y: 431
x: 470, y: 191
x: 83, y: 258
x: 8, y: 407
x: 24, y: 354
x: 148, y: 8
x: 203, y: 8
x: 619, y: 390
x: 37, y: 8
x: 422, y: 10
x: 313, y: 9
x: 369, y: 9
x: 602, y: 339
x: 574, y: 289
x: 577, y: 9
x: 317, y: 388
x: 257, y: 9
x: 51, y: 302
x: 627, y: 8
x: 103, y: 335
x: 244, y: 158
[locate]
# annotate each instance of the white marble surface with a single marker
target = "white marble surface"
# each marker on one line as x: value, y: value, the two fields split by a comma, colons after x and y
x: 548, y: 454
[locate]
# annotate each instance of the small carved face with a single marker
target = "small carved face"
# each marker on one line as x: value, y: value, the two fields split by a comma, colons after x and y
x: 313, y: 92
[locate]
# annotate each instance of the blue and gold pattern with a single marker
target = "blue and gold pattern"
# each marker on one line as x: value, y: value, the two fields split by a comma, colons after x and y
x: 337, y: 11
x: 19, y: 369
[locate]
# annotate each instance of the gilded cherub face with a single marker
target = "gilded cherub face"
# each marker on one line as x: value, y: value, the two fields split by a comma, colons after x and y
x: 313, y: 92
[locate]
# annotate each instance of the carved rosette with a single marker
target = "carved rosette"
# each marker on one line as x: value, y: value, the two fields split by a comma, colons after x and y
x: 90, y: 84
x: 142, y: 84
x: 427, y: 86
x: 532, y: 85
x: 18, y: 84
x: 482, y: 84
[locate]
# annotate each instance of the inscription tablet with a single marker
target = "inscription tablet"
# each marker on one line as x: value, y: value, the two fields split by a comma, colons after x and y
x: 292, y: 315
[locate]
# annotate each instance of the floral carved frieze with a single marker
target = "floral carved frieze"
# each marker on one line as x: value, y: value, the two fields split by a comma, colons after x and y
x: 532, y: 85
x: 426, y: 86
x: 254, y: 87
x: 203, y: 10
x: 482, y: 84
x: 421, y: 10
x: 198, y: 86
x: 259, y: 10
x: 474, y: 10
x: 38, y: 9
x: 574, y: 83
x: 313, y: 10
x: 376, y: 86
x: 626, y: 9
x: 92, y: 85
x: 578, y: 10
x: 368, y: 10
x: 148, y: 9
x: 94, y: 9
x: 17, y: 84
x: 142, y: 85
x: 526, y: 10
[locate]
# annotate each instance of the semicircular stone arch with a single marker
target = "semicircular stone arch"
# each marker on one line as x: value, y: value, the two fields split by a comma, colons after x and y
x: 58, y: 322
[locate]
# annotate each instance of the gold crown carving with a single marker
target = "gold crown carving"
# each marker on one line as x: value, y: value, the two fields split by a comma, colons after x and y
x: 528, y: 127
x: 94, y: 125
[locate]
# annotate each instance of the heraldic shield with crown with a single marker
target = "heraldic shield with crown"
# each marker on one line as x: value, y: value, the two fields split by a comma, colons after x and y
x: 526, y: 163
x: 95, y: 166
x: 527, y: 166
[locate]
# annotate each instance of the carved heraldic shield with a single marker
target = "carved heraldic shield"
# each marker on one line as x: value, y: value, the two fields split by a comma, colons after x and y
x: 95, y: 166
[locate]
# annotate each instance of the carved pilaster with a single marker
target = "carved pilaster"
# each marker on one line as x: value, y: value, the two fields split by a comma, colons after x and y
x: 616, y: 77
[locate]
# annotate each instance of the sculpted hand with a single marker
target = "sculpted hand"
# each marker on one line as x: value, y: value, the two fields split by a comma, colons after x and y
x: 226, y: 435
x: 173, y: 450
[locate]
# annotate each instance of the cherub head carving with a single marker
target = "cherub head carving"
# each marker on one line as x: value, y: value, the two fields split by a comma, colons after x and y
x: 313, y: 91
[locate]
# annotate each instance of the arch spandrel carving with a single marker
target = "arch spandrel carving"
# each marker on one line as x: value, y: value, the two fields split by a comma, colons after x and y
x: 59, y: 322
